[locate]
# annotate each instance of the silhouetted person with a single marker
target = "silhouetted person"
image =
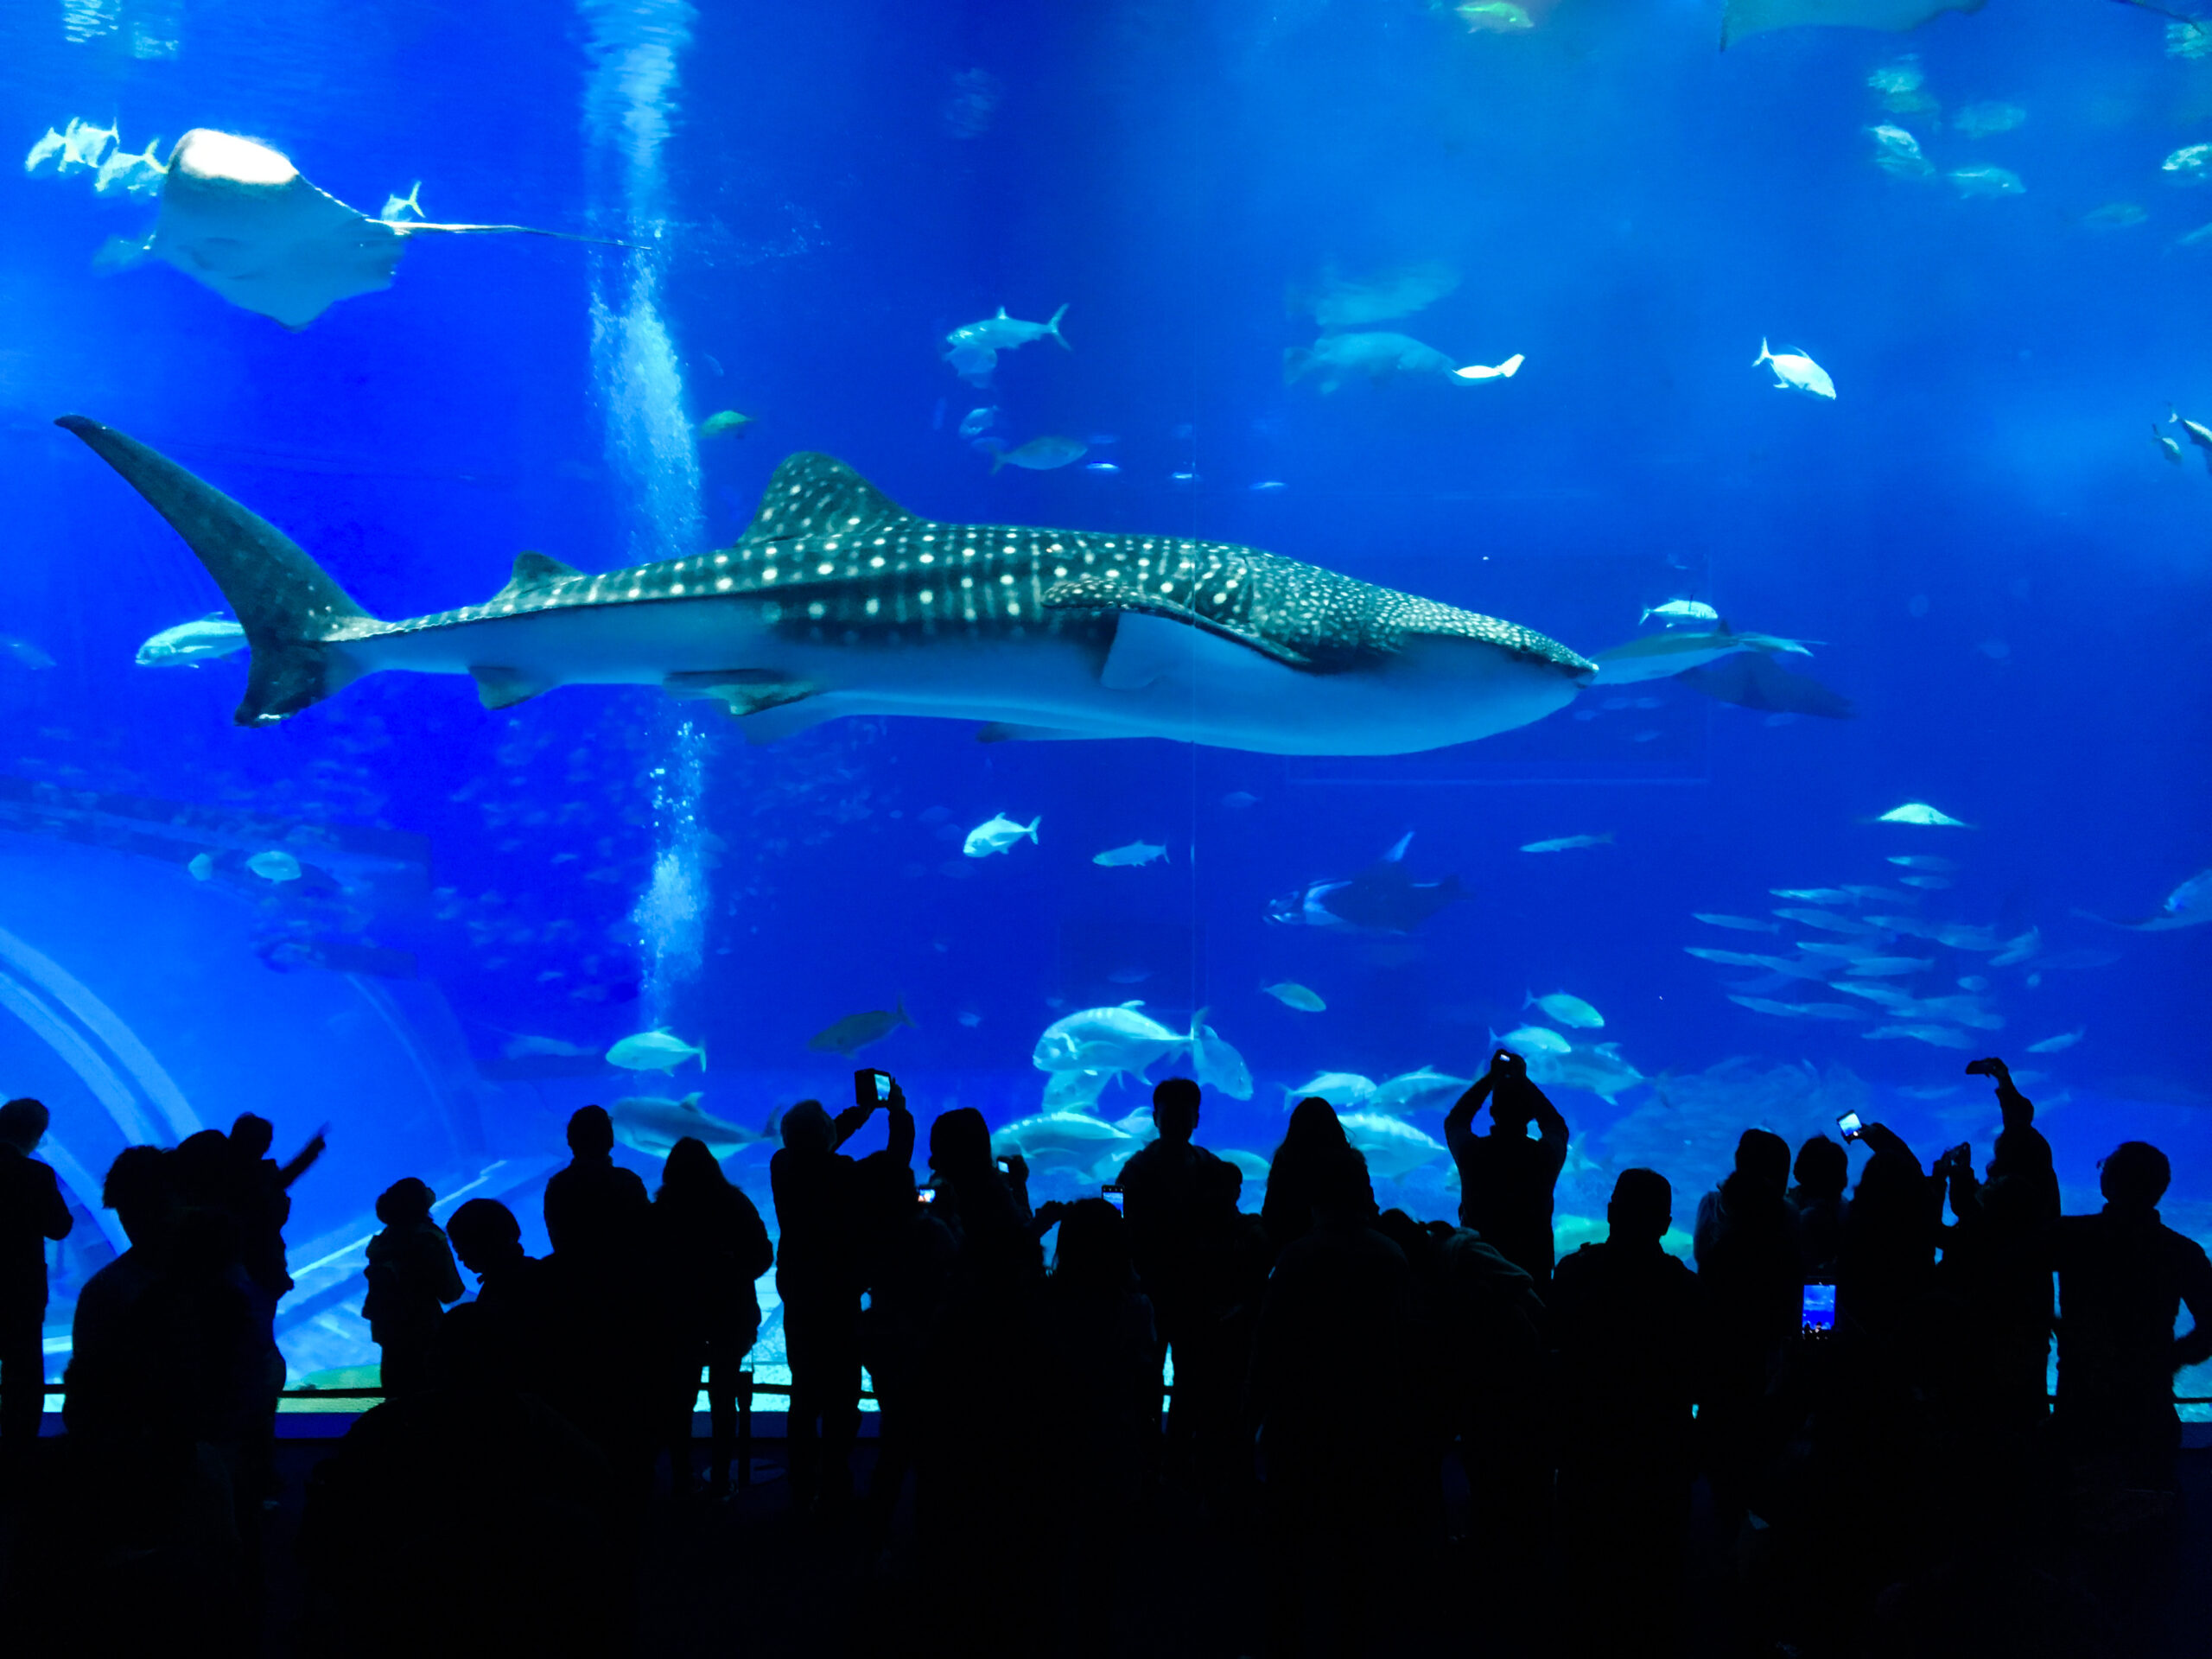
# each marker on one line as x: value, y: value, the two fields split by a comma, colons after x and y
x: 1890, y: 1229
x: 1995, y: 1270
x: 1627, y: 1320
x: 1103, y: 1382
x: 1498, y: 1396
x: 1750, y: 1266
x: 110, y: 1369
x: 2123, y: 1278
x: 1506, y: 1178
x: 1181, y: 1202
x: 261, y: 1198
x: 711, y: 1247
x: 1311, y: 1142
x: 411, y: 1277
x: 817, y: 1275
x: 597, y: 1214
x: 907, y: 1257
x: 518, y: 1302
x: 32, y: 1210
x: 1817, y: 1204
x: 466, y: 1519
x: 1338, y: 1481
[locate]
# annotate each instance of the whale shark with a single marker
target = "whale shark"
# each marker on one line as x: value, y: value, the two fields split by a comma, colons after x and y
x: 837, y: 601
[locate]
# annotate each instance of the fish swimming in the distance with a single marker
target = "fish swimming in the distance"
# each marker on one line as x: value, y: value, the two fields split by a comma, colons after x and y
x: 652, y: 1125
x: 1981, y: 120
x: 1923, y: 862
x: 1898, y: 153
x: 726, y: 421
x: 202, y: 866
x: 1795, y: 371
x: 1137, y: 853
x: 1005, y: 334
x: 1681, y: 610
x: 1568, y: 1009
x: 276, y: 865
x: 1920, y: 812
x: 1532, y: 1040
x: 2188, y: 905
x: 1040, y: 455
x: 192, y: 642
x: 1741, y: 924
x: 1568, y: 843
x: 1505, y: 370
x: 654, y: 1050
x: 2064, y: 1040
x: 1987, y: 180
x: 24, y: 653
x: 1382, y: 899
x: 855, y: 1032
x: 836, y: 602
x: 1292, y: 994
x: 997, y: 834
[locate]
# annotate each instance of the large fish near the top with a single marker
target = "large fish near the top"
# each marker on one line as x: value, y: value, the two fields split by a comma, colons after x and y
x: 836, y: 602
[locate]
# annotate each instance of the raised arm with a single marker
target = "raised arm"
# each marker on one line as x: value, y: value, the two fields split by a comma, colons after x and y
x: 901, y: 1143
x: 304, y: 1159
x: 1459, y: 1121
x: 1551, y: 1126
x: 2019, y: 1111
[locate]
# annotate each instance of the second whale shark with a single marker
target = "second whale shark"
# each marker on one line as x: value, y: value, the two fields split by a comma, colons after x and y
x: 837, y: 601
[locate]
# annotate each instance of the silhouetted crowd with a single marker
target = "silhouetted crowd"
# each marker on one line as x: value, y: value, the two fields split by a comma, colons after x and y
x: 1846, y: 1398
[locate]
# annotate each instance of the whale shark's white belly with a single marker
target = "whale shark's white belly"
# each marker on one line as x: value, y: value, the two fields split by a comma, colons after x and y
x: 1161, y: 679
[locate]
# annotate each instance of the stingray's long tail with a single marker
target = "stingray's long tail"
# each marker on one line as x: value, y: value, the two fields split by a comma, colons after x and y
x: 287, y: 603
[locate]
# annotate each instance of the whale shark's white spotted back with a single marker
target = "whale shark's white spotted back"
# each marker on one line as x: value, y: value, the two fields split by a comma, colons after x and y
x: 836, y: 558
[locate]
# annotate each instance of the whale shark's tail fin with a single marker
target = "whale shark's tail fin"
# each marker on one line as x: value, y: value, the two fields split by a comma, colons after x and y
x: 286, y: 601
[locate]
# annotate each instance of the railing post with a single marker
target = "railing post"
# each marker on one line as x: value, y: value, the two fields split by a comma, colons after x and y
x: 745, y: 1428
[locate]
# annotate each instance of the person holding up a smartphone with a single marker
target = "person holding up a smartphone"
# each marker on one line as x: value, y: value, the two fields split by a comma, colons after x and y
x: 1506, y: 1178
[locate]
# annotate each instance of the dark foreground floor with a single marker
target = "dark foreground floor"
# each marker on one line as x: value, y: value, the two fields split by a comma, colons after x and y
x: 742, y: 1577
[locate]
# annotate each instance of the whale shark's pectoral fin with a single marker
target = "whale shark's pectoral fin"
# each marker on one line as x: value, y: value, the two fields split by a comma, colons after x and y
x: 503, y: 687
x: 767, y: 703
x: 1152, y: 636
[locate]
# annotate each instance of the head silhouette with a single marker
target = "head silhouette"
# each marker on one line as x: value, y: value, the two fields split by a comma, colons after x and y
x: 1175, y: 1109
x: 484, y: 1233
x: 23, y: 1124
x: 2134, y: 1176
x: 1314, y: 1125
x: 250, y: 1136
x: 806, y: 1127
x: 405, y: 1200
x: 1343, y: 1192
x: 591, y: 1132
x: 1642, y: 1208
x: 139, y: 1191
x: 1763, y: 1163
x: 961, y: 1140
x: 691, y: 1170
x: 1823, y: 1168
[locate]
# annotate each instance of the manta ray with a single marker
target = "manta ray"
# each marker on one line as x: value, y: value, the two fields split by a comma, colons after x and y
x: 837, y: 601
x: 239, y: 218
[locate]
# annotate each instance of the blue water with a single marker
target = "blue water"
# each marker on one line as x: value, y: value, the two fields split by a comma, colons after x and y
x: 2001, y: 570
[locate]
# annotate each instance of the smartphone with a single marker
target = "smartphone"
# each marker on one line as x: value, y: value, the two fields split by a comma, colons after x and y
x: 882, y: 1086
x: 1817, y: 1317
x: 871, y: 1087
x: 1112, y: 1193
x: 1852, y: 1126
x: 1005, y: 1169
x: 925, y: 1195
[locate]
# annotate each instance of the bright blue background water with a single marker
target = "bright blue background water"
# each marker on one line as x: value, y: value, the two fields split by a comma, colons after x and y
x: 2005, y: 574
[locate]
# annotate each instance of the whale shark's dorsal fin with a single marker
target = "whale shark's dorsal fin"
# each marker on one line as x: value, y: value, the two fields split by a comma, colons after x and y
x: 818, y: 495
x: 533, y: 571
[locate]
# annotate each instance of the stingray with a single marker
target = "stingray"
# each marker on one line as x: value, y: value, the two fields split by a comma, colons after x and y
x: 1757, y: 16
x: 1752, y: 679
x: 238, y: 216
